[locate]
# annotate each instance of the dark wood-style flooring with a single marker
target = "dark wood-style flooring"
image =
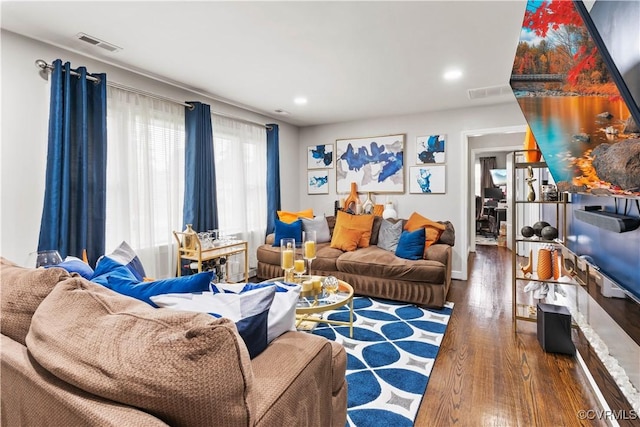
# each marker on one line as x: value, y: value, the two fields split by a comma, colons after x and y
x: 487, y: 375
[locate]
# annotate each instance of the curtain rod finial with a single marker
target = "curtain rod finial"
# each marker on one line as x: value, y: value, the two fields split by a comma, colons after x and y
x: 40, y: 63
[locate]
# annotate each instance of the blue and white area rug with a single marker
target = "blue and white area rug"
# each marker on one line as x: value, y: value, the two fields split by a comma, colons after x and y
x: 389, y: 358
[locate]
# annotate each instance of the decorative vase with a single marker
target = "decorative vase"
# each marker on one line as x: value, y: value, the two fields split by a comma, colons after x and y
x: 389, y: 211
x: 530, y: 144
x: 353, y: 199
x: 545, y: 268
x: 367, y: 206
x: 189, y: 239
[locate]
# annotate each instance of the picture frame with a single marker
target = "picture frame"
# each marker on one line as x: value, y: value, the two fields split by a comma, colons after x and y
x: 375, y: 164
x: 318, y: 181
x: 431, y: 149
x: 320, y: 156
x: 428, y: 179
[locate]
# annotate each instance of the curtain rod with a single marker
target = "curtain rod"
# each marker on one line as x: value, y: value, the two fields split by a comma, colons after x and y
x: 42, y: 64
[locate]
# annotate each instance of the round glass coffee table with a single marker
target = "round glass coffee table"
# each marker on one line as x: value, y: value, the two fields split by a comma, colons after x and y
x: 313, y: 303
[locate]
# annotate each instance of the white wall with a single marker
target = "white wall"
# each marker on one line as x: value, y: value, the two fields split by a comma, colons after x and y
x: 23, y: 149
x: 453, y: 123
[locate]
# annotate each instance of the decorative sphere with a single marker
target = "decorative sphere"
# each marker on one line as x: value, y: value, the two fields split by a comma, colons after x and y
x: 527, y: 231
x: 538, y: 226
x: 331, y: 284
x: 549, y: 232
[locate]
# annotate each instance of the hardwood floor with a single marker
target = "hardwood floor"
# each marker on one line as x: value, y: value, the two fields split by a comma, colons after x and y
x: 486, y: 375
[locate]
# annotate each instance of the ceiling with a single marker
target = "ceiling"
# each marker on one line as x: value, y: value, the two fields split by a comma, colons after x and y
x: 351, y: 60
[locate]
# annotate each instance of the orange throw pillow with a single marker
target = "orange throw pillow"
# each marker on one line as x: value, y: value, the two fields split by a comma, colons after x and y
x: 289, y: 217
x: 432, y: 230
x: 346, y: 240
x: 362, y: 223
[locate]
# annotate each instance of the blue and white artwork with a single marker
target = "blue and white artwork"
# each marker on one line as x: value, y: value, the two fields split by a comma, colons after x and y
x: 318, y: 182
x: 430, y: 149
x: 428, y: 179
x: 320, y: 156
x: 375, y: 164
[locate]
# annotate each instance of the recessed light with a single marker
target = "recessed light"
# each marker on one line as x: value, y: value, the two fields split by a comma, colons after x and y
x: 301, y: 100
x: 452, y: 75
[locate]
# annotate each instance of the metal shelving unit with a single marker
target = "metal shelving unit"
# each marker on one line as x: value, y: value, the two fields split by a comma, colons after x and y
x: 526, y: 310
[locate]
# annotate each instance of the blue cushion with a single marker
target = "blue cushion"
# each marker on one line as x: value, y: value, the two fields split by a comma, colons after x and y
x: 75, y: 265
x: 120, y: 278
x: 127, y: 256
x: 249, y: 309
x: 284, y: 230
x: 411, y: 244
x: 253, y: 327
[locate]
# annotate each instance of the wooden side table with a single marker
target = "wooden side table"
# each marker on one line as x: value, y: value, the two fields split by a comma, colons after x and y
x: 220, y: 249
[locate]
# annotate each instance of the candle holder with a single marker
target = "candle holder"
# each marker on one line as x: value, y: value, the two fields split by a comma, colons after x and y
x: 309, y: 247
x: 287, y: 257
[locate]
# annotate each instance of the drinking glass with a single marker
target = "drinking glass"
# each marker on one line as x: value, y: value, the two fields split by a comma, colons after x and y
x: 309, y: 246
x: 287, y: 256
x: 47, y: 258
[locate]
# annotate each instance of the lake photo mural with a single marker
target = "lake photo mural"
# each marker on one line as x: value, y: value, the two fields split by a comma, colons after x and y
x: 573, y: 105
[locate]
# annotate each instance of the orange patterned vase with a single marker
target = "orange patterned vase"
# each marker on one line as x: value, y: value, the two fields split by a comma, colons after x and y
x: 545, y: 269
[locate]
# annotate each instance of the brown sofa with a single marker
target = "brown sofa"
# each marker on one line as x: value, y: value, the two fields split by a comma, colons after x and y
x: 76, y: 353
x: 376, y: 272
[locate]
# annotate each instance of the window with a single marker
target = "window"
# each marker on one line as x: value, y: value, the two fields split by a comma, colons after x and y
x: 240, y: 151
x: 145, y: 177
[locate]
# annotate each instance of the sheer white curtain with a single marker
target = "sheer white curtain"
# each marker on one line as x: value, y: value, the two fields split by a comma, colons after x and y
x: 240, y: 151
x: 145, y: 177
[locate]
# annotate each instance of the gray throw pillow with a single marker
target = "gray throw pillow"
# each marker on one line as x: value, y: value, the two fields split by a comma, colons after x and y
x: 320, y: 226
x: 389, y: 235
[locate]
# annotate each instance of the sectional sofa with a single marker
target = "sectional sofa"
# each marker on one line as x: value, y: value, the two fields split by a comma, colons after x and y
x: 76, y: 353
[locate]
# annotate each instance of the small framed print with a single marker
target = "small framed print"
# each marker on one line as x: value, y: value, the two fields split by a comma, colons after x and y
x: 318, y: 182
x: 320, y: 156
x: 430, y: 149
x: 427, y: 179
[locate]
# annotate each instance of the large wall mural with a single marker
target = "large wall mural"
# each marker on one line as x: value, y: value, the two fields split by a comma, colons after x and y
x: 572, y: 104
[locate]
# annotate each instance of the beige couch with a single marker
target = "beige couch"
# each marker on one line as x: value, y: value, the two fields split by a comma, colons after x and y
x: 76, y: 353
x: 377, y: 272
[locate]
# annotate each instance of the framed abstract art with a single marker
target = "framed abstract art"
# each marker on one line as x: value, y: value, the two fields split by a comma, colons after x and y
x: 427, y: 179
x: 320, y: 156
x: 375, y: 164
x: 318, y: 181
x: 430, y: 149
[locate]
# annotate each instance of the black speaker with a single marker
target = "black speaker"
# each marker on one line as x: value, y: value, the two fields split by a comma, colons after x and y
x: 554, y: 329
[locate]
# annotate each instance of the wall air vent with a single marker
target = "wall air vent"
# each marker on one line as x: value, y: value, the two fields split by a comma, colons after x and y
x: 97, y: 42
x: 489, y: 92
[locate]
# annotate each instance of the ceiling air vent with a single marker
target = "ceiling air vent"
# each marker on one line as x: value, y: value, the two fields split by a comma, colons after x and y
x: 97, y: 42
x: 488, y: 92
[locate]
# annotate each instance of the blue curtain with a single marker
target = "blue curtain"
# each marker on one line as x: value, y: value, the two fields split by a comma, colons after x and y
x: 73, y: 216
x: 273, y: 176
x: 200, y: 206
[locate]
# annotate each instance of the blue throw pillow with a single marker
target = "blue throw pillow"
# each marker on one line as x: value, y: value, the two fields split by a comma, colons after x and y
x: 411, y: 244
x: 120, y: 279
x: 284, y: 230
x: 249, y: 310
x: 126, y: 256
x: 75, y: 265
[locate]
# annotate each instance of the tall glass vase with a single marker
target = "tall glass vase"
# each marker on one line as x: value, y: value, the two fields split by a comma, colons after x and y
x: 287, y: 257
x: 309, y: 247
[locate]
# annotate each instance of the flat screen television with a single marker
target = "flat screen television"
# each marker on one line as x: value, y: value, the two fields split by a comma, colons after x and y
x: 569, y: 94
